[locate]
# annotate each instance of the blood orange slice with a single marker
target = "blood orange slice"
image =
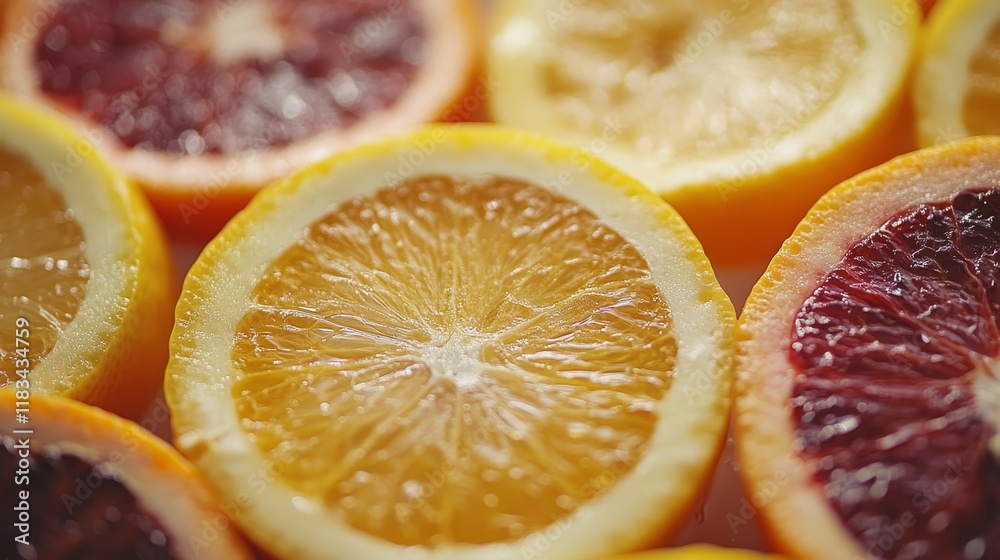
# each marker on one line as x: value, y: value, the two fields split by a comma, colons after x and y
x: 80, y: 483
x: 204, y: 102
x: 867, y: 418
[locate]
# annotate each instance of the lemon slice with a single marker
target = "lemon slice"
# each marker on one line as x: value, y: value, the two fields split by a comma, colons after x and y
x: 741, y: 113
x: 454, y: 345
x: 957, y: 90
x: 87, y: 287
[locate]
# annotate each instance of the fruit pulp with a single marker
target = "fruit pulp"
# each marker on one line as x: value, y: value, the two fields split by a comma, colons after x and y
x: 614, y: 63
x: 230, y: 76
x: 43, y: 266
x: 454, y: 360
x: 895, y: 402
x: 77, y: 510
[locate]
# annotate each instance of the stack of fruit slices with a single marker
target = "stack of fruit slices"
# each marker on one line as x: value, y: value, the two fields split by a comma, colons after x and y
x: 203, y: 103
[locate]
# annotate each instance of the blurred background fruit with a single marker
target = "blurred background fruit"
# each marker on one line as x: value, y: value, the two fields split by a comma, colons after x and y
x: 957, y: 90
x: 202, y: 103
x: 83, y: 483
x: 741, y: 114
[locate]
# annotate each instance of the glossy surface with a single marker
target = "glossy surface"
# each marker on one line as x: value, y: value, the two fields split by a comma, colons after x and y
x: 229, y: 76
x: 738, y: 73
x: 43, y: 269
x: 437, y: 377
x: 895, y: 402
x: 76, y: 510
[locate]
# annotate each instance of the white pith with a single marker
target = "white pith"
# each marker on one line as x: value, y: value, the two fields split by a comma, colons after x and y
x: 850, y: 212
x: 692, y: 415
x: 523, y: 30
x: 95, y: 195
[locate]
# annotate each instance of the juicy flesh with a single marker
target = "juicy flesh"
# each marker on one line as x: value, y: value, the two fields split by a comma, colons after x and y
x: 896, y: 400
x: 230, y: 76
x: 77, y: 510
x: 454, y: 360
x: 982, y: 98
x: 698, y: 78
x: 43, y: 269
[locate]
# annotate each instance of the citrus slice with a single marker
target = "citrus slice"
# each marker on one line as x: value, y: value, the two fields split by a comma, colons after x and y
x: 740, y: 113
x: 466, y: 343
x: 867, y: 409
x: 81, y: 483
x: 87, y: 287
x: 697, y: 552
x: 957, y: 89
x: 202, y: 103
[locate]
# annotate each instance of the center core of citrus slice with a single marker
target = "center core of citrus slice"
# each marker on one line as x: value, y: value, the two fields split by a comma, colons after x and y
x: 784, y: 61
x: 454, y: 360
x: 43, y: 270
x: 227, y: 77
x: 895, y: 399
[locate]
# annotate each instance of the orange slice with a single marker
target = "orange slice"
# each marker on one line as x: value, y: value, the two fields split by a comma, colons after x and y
x: 87, y: 291
x: 86, y: 484
x: 459, y: 344
x: 957, y: 90
x: 866, y: 417
x: 741, y: 114
x: 202, y: 103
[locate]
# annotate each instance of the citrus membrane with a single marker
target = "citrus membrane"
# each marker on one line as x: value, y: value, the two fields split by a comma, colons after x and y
x: 44, y: 268
x: 226, y: 77
x: 895, y: 402
x: 528, y: 372
x: 506, y: 341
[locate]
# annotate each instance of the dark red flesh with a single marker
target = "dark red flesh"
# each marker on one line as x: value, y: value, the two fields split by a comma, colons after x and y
x: 887, y: 349
x: 343, y: 60
x: 76, y: 511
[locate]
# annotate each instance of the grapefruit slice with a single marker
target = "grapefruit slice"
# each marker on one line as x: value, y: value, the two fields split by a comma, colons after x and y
x: 867, y: 393
x: 957, y: 89
x: 741, y: 114
x: 81, y: 483
x: 87, y: 287
x: 507, y: 348
x: 202, y: 103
